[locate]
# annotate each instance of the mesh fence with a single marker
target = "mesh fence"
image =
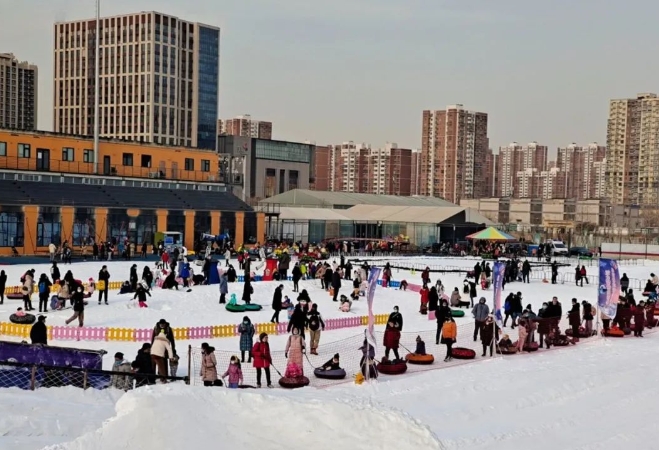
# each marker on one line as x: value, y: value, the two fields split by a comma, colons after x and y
x: 36, y: 376
x: 350, y: 355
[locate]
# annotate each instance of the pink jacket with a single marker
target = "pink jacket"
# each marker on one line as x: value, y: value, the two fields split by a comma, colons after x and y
x: 235, y: 374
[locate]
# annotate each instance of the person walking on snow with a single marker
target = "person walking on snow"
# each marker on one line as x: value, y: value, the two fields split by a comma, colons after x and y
x: 316, y: 325
x: 246, y: 330
x: 294, y: 349
x: 262, y: 359
x: 234, y: 372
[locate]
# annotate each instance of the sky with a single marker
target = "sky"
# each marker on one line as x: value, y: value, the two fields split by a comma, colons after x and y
x: 364, y: 70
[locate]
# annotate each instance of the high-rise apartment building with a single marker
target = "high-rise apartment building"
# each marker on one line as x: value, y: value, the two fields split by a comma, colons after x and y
x: 517, y: 158
x: 159, y: 79
x: 18, y: 93
x: 582, y: 178
x: 246, y: 126
x: 454, y: 145
x: 632, y: 159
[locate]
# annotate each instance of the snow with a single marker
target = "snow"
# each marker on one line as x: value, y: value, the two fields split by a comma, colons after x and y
x: 597, y: 394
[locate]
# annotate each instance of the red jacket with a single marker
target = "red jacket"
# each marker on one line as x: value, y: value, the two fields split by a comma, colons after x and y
x: 424, y: 295
x: 261, y: 354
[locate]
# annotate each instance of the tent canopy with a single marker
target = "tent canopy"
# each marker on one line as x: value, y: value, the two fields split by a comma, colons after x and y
x: 491, y: 234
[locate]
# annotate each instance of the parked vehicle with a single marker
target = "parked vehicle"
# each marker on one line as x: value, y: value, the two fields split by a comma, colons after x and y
x: 581, y: 252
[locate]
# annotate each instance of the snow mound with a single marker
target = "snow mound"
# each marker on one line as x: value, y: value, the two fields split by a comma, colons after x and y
x: 185, y: 417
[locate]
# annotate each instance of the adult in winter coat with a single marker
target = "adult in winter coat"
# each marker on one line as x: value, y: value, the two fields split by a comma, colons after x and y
x: 639, y: 319
x: 295, y: 346
x: 449, y: 337
x: 276, y: 303
x: 122, y: 382
x: 575, y: 319
x: 246, y: 331
x: 163, y: 327
x: 336, y: 284
x: 316, y: 325
x: 133, y: 277
x: 480, y: 313
x: 55, y: 273
x: 208, y: 370
x: 104, y: 284
x: 441, y: 314
x: 43, y: 286
x: 3, y: 285
x: 526, y: 271
x: 262, y: 359
x: 392, y: 333
x: 433, y: 299
x: 298, y: 320
x: 624, y: 283
x: 78, y: 299
x: 587, y: 311
x: 39, y: 332
x: 224, y: 287
x: 297, y: 275
x: 489, y: 333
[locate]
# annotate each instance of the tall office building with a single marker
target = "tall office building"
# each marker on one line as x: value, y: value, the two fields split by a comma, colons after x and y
x: 18, y: 93
x: 454, y: 146
x: 247, y: 127
x: 159, y: 79
x: 632, y: 159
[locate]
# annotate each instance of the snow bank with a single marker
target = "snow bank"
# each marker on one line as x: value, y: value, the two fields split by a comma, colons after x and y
x: 184, y: 417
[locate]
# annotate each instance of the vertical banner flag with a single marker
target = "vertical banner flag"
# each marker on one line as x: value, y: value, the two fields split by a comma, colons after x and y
x: 609, y: 289
x: 497, y: 274
x: 372, y: 283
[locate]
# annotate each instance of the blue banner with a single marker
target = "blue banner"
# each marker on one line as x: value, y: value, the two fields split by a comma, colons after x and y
x: 370, y: 295
x: 609, y: 288
x: 498, y: 274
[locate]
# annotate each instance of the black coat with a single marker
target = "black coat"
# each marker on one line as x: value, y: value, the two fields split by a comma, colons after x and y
x: 276, y: 300
x: 39, y: 333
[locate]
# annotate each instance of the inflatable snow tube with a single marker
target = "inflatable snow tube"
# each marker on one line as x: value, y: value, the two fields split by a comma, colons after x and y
x: 457, y: 313
x: 338, y: 374
x: 506, y: 350
x: 392, y: 367
x: 14, y: 296
x: 582, y: 332
x: 532, y: 347
x: 27, y: 319
x: 253, y: 307
x: 613, y: 332
x: 413, y: 358
x: 235, y: 308
x: 293, y: 383
x: 463, y: 353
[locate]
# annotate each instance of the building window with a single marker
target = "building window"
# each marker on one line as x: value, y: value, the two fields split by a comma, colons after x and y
x: 67, y: 154
x: 3, y: 149
x: 48, y: 227
x: 205, y: 165
x: 127, y: 159
x: 293, y: 176
x: 146, y: 160
x: 23, y: 150
x: 189, y: 164
x: 11, y: 226
x: 88, y: 156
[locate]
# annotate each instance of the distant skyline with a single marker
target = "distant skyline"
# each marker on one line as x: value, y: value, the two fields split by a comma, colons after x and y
x: 364, y: 71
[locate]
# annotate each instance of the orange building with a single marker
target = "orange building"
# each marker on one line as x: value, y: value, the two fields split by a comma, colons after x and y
x: 49, y: 193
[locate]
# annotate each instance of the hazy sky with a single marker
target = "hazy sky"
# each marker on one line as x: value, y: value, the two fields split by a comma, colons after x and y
x: 363, y: 70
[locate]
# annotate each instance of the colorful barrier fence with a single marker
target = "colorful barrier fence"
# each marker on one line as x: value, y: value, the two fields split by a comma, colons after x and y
x: 63, y: 333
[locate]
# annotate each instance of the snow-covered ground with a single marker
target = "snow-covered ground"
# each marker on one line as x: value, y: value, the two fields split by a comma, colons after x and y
x: 598, y: 394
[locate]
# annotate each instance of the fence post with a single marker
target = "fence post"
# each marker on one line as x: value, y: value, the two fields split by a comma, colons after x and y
x: 84, y: 380
x: 189, y: 363
x: 33, y: 378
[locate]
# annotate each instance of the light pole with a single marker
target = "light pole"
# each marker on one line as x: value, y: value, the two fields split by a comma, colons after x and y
x: 97, y: 80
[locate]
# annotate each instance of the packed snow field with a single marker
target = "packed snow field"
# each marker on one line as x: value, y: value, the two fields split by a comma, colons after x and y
x: 547, y: 399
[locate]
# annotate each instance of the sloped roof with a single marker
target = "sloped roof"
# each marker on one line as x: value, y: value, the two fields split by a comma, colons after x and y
x: 322, y: 199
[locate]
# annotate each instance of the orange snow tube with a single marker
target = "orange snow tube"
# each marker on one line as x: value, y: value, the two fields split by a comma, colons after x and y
x: 413, y: 358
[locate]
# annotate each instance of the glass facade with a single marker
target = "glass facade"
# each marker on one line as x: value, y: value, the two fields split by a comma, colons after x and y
x: 283, y: 151
x: 209, y: 76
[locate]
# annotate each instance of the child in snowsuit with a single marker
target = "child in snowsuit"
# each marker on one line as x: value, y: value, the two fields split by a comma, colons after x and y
x: 234, y: 372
